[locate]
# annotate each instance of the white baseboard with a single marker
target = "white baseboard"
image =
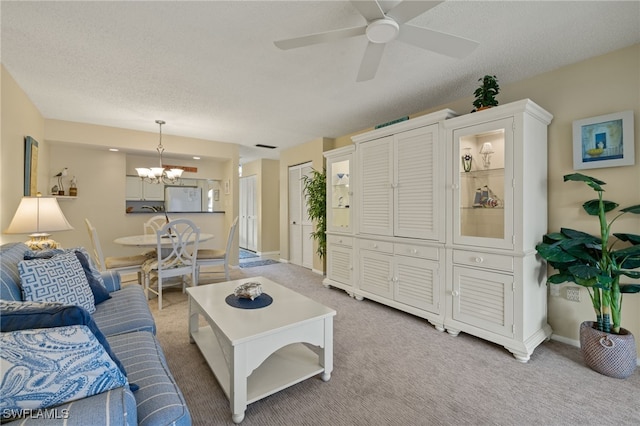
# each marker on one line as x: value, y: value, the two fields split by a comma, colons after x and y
x: 566, y: 340
x: 317, y: 271
x: 575, y: 343
x: 269, y: 254
x: 284, y: 260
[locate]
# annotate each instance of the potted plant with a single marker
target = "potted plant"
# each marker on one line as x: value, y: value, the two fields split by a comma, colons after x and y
x: 315, y: 187
x: 597, y: 264
x: 486, y: 93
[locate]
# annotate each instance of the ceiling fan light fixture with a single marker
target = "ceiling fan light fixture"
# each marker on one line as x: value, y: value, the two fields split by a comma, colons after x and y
x: 382, y: 30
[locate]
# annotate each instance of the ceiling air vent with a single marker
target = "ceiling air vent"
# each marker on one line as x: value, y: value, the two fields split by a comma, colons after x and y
x: 260, y: 145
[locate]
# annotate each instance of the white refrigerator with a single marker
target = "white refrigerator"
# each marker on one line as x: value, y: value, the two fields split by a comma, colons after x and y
x: 182, y: 199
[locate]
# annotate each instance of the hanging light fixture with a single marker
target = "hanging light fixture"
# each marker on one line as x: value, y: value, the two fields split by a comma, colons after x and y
x: 159, y: 174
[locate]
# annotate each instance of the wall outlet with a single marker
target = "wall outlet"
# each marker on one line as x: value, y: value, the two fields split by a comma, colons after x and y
x: 573, y: 294
x: 554, y: 290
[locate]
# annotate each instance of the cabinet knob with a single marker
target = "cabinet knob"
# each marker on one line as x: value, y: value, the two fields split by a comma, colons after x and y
x: 414, y: 251
x: 454, y: 186
x: 455, y: 293
x: 478, y: 259
x: 340, y: 241
x: 375, y: 246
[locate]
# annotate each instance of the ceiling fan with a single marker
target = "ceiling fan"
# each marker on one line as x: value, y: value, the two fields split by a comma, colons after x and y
x: 383, y: 27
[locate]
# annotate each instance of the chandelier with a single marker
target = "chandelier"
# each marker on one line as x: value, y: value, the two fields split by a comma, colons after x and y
x: 159, y: 174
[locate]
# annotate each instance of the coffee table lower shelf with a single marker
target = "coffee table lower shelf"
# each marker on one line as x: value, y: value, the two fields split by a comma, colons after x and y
x: 285, y: 367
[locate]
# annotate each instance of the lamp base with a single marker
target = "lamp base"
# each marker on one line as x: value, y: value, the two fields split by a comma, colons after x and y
x: 41, y: 241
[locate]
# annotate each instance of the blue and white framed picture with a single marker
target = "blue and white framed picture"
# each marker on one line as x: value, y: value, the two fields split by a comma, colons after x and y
x: 603, y: 141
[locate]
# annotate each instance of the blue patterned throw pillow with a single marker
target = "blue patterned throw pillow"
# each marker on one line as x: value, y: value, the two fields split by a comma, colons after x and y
x: 96, y: 282
x: 47, y: 367
x: 59, y: 279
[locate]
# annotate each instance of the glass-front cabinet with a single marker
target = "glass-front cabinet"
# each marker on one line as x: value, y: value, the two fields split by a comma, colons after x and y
x: 339, y: 189
x: 482, y: 188
x: 340, y: 184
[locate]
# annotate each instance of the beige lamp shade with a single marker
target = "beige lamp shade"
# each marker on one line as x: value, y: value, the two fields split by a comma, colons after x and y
x: 38, y: 216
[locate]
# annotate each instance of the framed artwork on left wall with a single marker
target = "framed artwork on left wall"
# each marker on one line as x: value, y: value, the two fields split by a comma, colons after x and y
x: 30, y: 166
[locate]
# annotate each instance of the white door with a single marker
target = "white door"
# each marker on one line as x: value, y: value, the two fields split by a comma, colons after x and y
x: 300, y: 227
x: 248, y: 218
x: 252, y: 213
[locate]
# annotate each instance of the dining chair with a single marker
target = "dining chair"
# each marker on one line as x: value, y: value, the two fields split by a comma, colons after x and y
x: 176, y: 261
x: 122, y: 264
x: 212, y: 257
x: 154, y: 224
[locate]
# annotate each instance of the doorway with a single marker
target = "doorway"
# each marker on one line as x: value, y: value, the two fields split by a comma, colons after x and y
x: 247, y: 219
x: 300, y: 226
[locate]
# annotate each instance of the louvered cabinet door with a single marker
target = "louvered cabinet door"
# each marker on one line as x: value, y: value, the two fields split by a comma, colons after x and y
x: 416, y: 183
x: 376, y: 273
x: 416, y: 283
x: 375, y: 160
x: 340, y: 263
x: 483, y: 299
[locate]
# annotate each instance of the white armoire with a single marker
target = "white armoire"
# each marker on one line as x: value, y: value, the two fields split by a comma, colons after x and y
x: 446, y: 214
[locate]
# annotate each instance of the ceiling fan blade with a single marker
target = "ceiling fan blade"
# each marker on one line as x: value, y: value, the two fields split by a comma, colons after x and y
x: 293, y: 43
x: 436, y: 41
x: 407, y: 10
x: 370, y: 9
x: 370, y: 61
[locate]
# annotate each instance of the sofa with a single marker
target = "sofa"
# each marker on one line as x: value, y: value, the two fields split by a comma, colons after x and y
x: 114, y: 346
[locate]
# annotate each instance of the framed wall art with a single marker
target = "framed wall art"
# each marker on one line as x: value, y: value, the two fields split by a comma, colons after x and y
x: 30, y: 166
x: 603, y: 141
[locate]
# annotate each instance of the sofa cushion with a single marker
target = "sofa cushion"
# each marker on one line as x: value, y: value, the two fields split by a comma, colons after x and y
x: 51, y: 366
x: 159, y: 400
x: 10, y: 255
x: 95, y: 279
x: 126, y: 311
x: 31, y: 315
x: 59, y: 279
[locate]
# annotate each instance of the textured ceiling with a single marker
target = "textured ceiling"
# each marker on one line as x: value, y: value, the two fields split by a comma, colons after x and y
x: 211, y: 71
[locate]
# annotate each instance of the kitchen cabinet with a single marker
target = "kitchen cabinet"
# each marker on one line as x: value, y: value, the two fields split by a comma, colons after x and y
x: 138, y: 190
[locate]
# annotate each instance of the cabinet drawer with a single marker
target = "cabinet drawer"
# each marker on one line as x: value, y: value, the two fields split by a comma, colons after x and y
x: 483, y: 260
x: 379, y: 246
x: 416, y: 251
x: 340, y: 240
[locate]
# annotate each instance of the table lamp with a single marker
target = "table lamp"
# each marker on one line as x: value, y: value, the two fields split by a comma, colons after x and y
x: 37, y: 216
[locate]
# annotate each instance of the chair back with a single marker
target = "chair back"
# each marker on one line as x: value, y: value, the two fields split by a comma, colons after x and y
x: 97, y: 253
x: 185, y: 237
x: 154, y: 224
x: 232, y: 232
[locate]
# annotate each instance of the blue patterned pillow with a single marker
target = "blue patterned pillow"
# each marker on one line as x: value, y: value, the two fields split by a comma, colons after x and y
x: 47, y: 367
x: 59, y: 279
x: 96, y: 282
x: 31, y: 315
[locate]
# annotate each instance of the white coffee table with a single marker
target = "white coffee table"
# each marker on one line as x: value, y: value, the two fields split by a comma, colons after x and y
x: 256, y: 352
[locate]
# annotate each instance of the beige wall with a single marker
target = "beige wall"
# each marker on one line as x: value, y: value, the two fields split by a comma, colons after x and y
x: 597, y: 86
x: 268, y: 200
x: 19, y: 118
x: 303, y: 153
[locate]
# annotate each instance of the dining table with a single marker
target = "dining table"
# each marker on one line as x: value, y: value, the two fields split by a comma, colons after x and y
x: 151, y: 240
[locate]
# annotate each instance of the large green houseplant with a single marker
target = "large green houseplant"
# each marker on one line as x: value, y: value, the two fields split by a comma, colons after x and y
x: 315, y: 187
x: 595, y: 262
x: 598, y: 263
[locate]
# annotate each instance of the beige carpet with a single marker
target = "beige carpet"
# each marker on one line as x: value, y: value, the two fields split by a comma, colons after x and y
x: 391, y: 368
